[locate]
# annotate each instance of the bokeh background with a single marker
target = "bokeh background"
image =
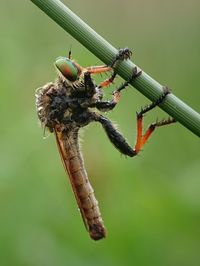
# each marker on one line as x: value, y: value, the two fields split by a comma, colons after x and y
x: 150, y: 204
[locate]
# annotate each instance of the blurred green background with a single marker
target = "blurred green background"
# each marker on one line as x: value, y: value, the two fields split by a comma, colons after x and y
x: 150, y: 204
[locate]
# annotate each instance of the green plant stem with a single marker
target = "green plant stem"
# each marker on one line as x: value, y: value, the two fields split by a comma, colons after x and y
x: 106, y: 52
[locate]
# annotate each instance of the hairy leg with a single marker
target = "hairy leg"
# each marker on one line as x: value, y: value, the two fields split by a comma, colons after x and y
x: 142, y: 138
x: 114, y: 135
x: 123, y: 54
x: 120, y: 142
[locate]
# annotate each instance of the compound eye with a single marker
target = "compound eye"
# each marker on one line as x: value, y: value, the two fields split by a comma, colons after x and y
x: 68, y: 69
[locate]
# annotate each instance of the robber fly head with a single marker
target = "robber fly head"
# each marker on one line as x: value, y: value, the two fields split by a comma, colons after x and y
x: 68, y: 68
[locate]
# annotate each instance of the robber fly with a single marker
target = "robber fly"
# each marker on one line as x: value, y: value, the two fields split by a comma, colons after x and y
x: 66, y: 105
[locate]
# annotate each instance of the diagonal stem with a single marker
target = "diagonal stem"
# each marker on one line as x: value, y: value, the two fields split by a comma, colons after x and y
x: 71, y: 23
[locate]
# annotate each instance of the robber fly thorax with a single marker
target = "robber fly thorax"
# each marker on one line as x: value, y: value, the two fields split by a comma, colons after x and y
x: 65, y: 100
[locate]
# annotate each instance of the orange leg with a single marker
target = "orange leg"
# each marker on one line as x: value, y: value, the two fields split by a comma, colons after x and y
x: 123, y: 54
x: 142, y: 139
x: 108, y: 81
x: 139, y: 134
x: 116, y: 137
x: 98, y: 69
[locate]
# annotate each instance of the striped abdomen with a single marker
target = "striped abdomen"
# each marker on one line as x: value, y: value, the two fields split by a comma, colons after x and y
x: 70, y: 153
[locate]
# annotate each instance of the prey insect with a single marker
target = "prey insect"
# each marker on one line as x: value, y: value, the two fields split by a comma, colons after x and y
x: 65, y: 106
